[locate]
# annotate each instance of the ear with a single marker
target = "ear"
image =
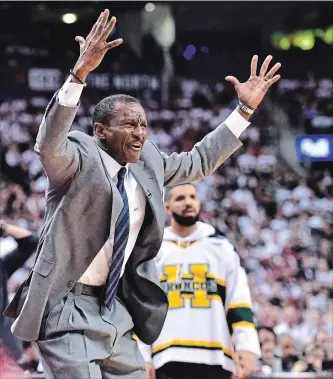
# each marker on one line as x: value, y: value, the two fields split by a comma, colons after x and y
x: 99, y: 130
x: 167, y: 209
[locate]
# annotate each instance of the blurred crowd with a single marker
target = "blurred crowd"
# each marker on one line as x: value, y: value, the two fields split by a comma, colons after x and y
x: 309, y: 103
x: 280, y: 224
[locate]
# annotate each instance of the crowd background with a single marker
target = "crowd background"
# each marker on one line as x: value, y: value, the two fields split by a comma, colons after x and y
x: 280, y: 222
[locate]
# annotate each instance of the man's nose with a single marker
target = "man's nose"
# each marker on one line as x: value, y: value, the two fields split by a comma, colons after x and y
x: 189, y: 202
x: 139, y: 131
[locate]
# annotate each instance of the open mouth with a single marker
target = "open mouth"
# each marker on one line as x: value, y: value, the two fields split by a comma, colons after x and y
x: 136, y: 146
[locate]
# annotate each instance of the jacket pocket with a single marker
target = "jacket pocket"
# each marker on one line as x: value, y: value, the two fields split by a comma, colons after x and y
x: 43, y: 267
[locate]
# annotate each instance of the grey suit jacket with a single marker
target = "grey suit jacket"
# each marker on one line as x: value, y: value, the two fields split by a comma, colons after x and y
x: 79, y: 202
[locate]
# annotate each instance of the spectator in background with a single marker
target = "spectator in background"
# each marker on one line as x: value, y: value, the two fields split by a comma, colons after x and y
x: 291, y: 322
x: 9, y: 263
x: 269, y: 362
x: 266, y: 334
x: 304, y: 272
x: 213, y: 286
x: 313, y: 357
x: 288, y: 352
x: 312, y: 324
x: 266, y: 160
x: 302, y: 191
x: 322, y: 338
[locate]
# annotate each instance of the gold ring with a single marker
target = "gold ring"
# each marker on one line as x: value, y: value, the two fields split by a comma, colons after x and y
x: 266, y: 79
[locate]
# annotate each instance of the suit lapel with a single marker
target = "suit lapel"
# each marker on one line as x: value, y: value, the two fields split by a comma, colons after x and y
x: 148, y: 182
x: 117, y: 201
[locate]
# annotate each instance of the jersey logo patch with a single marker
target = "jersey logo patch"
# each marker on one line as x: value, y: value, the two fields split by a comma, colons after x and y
x: 199, y: 286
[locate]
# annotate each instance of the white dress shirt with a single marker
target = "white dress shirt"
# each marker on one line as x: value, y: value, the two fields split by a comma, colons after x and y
x: 97, y: 273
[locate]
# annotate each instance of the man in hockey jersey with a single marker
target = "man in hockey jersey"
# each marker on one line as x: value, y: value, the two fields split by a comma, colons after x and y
x: 209, y: 330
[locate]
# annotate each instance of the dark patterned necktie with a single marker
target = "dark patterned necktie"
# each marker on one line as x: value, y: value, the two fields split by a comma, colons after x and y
x: 121, y: 234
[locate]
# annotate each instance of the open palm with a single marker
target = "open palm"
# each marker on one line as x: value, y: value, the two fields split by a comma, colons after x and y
x: 253, y: 91
x: 94, y: 47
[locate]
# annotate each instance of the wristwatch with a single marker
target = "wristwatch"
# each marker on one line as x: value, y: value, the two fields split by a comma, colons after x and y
x: 245, y: 108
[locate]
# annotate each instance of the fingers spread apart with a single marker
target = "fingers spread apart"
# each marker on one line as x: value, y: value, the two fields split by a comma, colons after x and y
x: 264, y: 68
x: 254, y: 64
x: 115, y: 43
x: 265, y: 65
x: 93, y: 29
x: 101, y: 31
x: 269, y: 78
x: 268, y: 82
x: 272, y: 71
x: 108, y: 29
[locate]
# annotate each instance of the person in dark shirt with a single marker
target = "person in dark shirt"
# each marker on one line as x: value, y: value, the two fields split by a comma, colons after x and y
x: 288, y: 355
x: 9, y: 263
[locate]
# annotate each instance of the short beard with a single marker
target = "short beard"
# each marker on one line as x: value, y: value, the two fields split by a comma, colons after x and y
x: 185, y: 220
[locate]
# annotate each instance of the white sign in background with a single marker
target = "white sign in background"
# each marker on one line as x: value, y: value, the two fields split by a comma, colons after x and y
x: 44, y: 79
x: 49, y: 79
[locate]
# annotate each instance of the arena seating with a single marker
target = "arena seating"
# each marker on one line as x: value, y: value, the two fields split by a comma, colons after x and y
x: 282, y: 227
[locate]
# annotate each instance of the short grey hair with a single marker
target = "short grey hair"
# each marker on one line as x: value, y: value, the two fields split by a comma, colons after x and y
x: 105, y: 109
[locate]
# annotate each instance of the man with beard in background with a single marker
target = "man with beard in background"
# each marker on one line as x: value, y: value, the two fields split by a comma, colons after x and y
x: 209, y: 330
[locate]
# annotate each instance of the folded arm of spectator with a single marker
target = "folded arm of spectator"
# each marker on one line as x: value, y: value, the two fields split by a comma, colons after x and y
x: 27, y: 244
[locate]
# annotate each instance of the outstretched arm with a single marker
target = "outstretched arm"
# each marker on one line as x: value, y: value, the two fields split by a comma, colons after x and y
x: 61, y: 158
x: 217, y: 146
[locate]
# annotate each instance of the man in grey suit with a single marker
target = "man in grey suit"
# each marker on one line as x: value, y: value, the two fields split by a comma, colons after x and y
x: 94, y: 282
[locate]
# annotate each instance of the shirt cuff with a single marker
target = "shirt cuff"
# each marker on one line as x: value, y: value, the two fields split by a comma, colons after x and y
x: 236, y: 123
x: 246, y: 339
x: 145, y: 351
x: 69, y: 94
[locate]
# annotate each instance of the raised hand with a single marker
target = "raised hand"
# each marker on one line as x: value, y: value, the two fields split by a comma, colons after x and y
x: 94, y: 47
x: 254, y: 90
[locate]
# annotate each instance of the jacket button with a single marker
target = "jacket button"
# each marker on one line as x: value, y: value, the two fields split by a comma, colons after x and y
x: 70, y: 284
x: 88, y: 260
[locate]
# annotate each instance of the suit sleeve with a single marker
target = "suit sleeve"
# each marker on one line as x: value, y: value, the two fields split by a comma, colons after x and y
x: 205, y: 157
x: 238, y: 306
x: 59, y: 156
x: 16, y: 259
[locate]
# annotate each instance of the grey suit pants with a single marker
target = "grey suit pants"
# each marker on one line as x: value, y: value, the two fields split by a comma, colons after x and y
x: 82, y: 339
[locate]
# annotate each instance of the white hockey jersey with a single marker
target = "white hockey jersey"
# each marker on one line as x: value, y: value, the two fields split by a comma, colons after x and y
x: 210, y: 312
